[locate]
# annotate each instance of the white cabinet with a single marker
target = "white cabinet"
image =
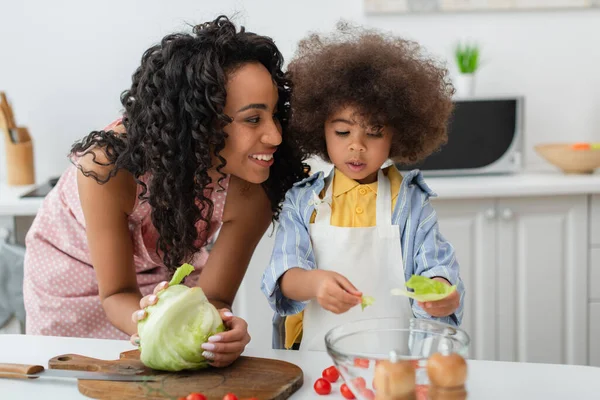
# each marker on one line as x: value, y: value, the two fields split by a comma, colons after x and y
x: 471, y: 228
x: 524, y: 263
x: 594, y: 337
x: 594, y: 282
x: 250, y: 303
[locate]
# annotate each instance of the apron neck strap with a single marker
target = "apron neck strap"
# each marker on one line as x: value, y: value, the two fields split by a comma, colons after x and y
x: 384, y: 200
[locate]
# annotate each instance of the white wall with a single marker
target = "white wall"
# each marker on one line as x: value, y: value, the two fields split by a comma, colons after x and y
x: 64, y: 63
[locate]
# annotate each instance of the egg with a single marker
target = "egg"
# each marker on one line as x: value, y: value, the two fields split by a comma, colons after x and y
x: 447, y: 370
x: 394, y: 380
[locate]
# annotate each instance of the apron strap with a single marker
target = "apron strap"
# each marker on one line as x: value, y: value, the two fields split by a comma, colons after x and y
x: 384, y: 200
x: 323, y: 206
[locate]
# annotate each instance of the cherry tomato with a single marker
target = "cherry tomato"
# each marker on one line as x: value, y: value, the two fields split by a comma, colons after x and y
x: 368, y: 394
x: 331, y: 374
x: 195, y: 396
x: 361, y: 363
x: 322, y: 386
x: 359, y: 382
x: 346, y: 392
x: 230, y: 396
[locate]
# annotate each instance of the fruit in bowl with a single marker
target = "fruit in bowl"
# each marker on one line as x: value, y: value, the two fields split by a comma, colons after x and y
x: 571, y: 158
x: 383, y: 357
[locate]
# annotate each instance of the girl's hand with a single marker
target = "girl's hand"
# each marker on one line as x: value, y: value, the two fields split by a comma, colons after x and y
x: 224, y: 348
x: 444, y: 307
x: 141, y: 314
x: 334, y: 292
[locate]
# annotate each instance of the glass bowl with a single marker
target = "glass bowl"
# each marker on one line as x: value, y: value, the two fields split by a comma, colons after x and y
x: 356, y: 347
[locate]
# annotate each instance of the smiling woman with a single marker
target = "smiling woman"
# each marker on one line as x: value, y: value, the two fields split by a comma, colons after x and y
x: 255, y: 131
x: 201, y: 146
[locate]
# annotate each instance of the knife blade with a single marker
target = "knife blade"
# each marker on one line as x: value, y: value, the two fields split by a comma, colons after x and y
x: 24, y: 371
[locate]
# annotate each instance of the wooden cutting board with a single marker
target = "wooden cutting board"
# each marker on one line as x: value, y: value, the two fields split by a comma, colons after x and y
x: 263, y: 378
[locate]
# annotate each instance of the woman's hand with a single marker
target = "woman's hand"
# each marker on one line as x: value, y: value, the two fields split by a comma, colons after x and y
x: 221, y: 349
x: 224, y: 348
x: 444, y: 307
x: 141, y: 314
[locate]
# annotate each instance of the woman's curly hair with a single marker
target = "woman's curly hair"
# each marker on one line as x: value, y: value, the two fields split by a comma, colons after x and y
x: 174, y: 118
x: 385, y: 78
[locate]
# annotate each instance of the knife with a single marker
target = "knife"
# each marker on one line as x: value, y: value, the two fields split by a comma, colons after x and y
x: 24, y: 371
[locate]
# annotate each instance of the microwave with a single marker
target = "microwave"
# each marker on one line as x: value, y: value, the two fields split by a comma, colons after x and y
x: 485, y: 136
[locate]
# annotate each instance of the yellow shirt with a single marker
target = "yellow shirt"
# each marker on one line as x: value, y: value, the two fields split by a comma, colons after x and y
x: 353, y: 206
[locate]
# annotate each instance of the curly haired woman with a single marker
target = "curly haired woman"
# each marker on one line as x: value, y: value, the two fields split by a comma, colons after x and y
x: 199, y: 149
x: 362, y: 101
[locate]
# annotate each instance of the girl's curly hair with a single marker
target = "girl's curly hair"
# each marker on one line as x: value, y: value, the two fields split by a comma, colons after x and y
x: 385, y: 78
x: 173, y: 118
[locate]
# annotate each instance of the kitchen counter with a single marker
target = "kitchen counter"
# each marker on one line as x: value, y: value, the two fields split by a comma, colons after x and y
x: 522, y: 184
x: 487, y: 380
x: 451, y: 187
x: 11, y: 203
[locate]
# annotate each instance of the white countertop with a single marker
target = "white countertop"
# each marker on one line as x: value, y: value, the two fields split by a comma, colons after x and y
x: 523, y: 184
x: 486, y: 379
x: 543, y: 183
x: 11, y: 202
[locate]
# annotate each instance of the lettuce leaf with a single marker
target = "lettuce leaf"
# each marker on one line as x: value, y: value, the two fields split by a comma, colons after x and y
x: 181, y: 272
x: 367, y: 301
x: 425, y: 289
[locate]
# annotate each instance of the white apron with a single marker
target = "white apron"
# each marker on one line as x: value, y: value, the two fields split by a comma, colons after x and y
x: 370, y: 258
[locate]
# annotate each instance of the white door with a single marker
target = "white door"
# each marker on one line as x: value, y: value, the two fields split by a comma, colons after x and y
x: 470, y: 225
x: 594, y: 336
x: 542, y: 279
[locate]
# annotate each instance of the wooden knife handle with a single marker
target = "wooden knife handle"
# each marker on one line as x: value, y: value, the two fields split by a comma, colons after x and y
x: 8, y: 112
x: 19, y: 371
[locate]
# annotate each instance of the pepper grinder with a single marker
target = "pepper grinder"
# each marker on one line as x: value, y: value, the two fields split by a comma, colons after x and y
x: 447, y: 374
x: 394, y: 379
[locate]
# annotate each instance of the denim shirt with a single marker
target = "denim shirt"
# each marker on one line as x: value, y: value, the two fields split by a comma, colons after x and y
x: 425, y: 251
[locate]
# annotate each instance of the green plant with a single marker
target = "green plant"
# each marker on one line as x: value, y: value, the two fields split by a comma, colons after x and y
x: 467, y: 57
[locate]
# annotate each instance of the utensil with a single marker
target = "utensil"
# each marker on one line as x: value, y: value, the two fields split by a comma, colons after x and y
x: 9, y: 118
x: 25, y: 371
x: 4, y: 122
x: 247, y: 377
x: 357, y: 347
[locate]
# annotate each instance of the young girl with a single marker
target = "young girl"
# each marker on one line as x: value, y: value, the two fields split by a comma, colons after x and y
x: 200, y: 148
x: 360, y: 100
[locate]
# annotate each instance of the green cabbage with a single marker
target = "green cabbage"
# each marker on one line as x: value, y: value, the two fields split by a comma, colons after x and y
x: 425, y: 289
x: 367, y: 301
x: 177, y: 325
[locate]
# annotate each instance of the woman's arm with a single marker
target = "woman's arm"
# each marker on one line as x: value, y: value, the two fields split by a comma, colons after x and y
x: 106, y: 208
x: 246, y: 217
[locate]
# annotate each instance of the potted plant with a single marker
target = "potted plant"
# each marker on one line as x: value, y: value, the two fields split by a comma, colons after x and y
x: 467, y: 57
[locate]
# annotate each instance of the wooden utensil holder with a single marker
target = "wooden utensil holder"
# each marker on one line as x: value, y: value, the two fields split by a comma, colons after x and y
x: 20, y: 168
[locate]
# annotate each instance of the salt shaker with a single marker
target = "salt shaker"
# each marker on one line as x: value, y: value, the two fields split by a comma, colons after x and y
x: 394, y: 379
x: 447, y: 376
